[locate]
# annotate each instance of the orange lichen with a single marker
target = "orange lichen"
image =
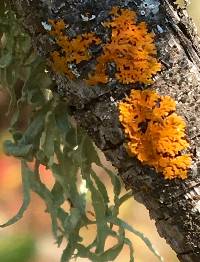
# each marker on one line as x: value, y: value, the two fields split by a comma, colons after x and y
x: 155, y: 132
x: 73, y: 50
x: 57, y: 27
x: 131, y: 48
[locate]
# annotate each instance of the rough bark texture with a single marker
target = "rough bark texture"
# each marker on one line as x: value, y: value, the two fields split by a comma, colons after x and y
x: 175, y: 204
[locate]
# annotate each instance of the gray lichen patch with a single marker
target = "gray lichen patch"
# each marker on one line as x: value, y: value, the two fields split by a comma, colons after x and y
x: 148, y: 7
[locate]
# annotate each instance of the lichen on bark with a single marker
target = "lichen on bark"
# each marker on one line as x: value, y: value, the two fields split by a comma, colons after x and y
x: 173, y: 204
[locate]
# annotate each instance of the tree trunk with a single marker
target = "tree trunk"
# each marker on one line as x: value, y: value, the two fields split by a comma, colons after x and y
x: 173, y: 204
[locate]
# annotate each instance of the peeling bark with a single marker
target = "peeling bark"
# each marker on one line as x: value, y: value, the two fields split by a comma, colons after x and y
x: 173, y: 204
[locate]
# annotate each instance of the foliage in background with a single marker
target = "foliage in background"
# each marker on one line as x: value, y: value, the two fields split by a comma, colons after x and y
x: 52, y: 139
x: 17, y: 248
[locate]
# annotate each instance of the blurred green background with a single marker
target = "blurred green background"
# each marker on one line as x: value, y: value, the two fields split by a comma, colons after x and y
x: 30, y: 240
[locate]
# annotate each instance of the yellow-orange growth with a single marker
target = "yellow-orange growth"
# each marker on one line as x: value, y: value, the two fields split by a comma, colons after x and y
x: 73, y: 50
x: 131, y: 48
x: 155, y: 133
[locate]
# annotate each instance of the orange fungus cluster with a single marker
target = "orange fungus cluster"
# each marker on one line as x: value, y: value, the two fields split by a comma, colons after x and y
x: 156, y: 134
x: 131, y: 48
x: 71, y: 50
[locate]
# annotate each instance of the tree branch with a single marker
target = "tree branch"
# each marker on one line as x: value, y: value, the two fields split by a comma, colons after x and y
x: 173, y: 204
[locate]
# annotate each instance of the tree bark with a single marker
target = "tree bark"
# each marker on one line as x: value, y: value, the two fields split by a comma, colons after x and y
x: 173, y: 204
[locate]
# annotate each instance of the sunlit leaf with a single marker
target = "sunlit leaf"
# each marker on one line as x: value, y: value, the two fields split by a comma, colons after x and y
x: 115, y: 182
x: 89, y: 152
x: 100, y: 210
x: 49, y: 135
x: 101, y: 187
